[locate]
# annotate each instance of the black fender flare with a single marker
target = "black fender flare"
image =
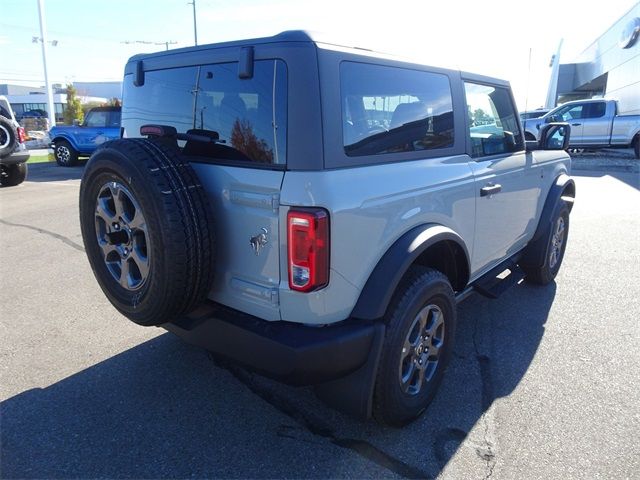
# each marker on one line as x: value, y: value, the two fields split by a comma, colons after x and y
x: 534, y: 252
x: 387, y: 274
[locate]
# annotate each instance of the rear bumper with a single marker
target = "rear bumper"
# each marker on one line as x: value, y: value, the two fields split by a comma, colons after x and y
x: 290, y: 352
x: 16, y: 157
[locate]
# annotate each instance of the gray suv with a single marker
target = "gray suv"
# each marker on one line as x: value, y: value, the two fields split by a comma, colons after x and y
x: 13, y: 152
x: 315, y: 212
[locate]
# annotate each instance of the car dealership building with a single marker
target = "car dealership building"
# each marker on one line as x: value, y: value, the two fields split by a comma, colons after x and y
x: 609, y: 67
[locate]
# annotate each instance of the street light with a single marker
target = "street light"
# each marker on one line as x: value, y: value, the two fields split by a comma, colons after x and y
x: 145, y: 42
x: 195, y: 26
x: 43, y: 41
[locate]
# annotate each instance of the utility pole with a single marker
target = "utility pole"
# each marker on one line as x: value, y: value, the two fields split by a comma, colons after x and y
x: 43, y: 36
x: 195, y: 26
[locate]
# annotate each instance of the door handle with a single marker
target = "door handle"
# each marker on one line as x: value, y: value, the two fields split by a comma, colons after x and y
x: 576, y: 124
x: 490, y: 189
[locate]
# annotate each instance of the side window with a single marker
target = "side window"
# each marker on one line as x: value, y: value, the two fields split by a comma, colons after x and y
x: 572, y: 113
x: 97, y: 119
x: 167, y: 98
x: 248, y: 115
x: 494, y: 127
x: 390, y: 110
x: 596, y: 110
x: 114, y: 118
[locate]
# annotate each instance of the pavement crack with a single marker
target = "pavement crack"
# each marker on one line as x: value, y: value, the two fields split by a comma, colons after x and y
x: 486, y: 453
x: 57, y: 236
x: 317, y: 426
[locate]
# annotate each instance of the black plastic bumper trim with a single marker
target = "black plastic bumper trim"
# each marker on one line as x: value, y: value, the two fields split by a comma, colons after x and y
x: 292, y: 353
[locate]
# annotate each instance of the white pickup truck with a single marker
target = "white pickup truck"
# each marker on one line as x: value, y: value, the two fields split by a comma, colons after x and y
x: 594, y: 124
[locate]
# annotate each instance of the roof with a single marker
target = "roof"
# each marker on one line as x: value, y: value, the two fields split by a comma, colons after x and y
x: 303, y: 36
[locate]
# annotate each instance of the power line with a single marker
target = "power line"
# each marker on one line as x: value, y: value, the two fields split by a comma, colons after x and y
x: 166, y: 43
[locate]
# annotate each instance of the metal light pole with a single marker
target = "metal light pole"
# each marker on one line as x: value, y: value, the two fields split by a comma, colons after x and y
x: 195, y: 26
x: 43, y: 36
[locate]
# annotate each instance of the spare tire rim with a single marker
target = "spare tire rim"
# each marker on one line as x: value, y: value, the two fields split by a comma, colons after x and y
x: 63, y: 153
x: 421, y: 349
x: 557, y: 240
x: 5, y: 137
x: 122, y: 236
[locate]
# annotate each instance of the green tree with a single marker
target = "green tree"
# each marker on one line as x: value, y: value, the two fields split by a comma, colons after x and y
x: 74, y: 107
x: 480, y: 117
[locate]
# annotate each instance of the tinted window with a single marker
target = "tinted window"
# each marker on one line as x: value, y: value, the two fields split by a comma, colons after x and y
x: 249, y: 115
x: 596, y: 110
x: 494, y: 127
x: 389, y: 110
x: 166, y: 98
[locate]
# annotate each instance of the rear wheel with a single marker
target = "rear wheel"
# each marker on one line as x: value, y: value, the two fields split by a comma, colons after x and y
x: 147, y: 230
x: 421, y: 324
x: 11, y: 175
x: 66, y: 155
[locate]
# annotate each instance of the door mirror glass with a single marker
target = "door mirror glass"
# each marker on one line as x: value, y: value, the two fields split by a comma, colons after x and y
x: 555, y: 136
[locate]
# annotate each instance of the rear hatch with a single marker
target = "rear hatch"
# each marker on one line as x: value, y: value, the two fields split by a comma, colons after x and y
x: 242, y: 173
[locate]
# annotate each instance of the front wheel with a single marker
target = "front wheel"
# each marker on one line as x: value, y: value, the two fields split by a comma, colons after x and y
x: 12, y: 175
x: 556, y: 246
x: 421, y: 324
x: 636, y: 147
x: 66, y: 155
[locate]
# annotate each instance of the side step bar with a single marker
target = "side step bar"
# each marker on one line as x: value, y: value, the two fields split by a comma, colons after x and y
x: 495, y: 282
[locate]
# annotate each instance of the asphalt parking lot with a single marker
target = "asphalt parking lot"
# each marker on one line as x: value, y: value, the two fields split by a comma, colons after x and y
x: 544, y: 382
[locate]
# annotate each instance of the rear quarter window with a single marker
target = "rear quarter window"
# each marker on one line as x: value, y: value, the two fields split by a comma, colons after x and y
x: 388, y: 110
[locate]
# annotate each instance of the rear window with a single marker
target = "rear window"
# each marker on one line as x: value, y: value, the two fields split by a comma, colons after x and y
x: 248, y: 115
x: 391, y: 110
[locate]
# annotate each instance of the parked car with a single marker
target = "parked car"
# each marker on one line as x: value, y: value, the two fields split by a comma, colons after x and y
x: 316, y: 212
x: 13, y: 153
x: 533, y: 114
x: 69, y: 143
x: 594, y: 124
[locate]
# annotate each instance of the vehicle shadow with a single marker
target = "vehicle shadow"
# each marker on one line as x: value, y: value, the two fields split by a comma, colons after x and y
x: 164, y: 409
x: 630, y: 178
x: 52, y: 172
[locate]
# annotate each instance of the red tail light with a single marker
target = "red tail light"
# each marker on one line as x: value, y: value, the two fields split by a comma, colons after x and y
x: 308, y: 249
x: 22, y: 137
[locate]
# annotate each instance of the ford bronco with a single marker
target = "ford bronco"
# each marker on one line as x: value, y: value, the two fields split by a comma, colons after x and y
x: 70, y: 142
x: 315, y: 211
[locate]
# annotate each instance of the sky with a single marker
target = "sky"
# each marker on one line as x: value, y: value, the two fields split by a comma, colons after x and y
x: 490, y: 37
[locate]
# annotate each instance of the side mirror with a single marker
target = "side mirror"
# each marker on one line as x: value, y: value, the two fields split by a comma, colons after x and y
x: 554, y: 136
x: 76, y: 123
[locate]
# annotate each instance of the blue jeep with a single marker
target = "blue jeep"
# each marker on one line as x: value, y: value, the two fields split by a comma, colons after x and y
x: 71, y: 142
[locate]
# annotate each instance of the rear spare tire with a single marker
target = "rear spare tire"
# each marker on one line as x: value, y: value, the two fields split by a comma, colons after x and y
x: 147, y: 229
x: 8, y: 137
